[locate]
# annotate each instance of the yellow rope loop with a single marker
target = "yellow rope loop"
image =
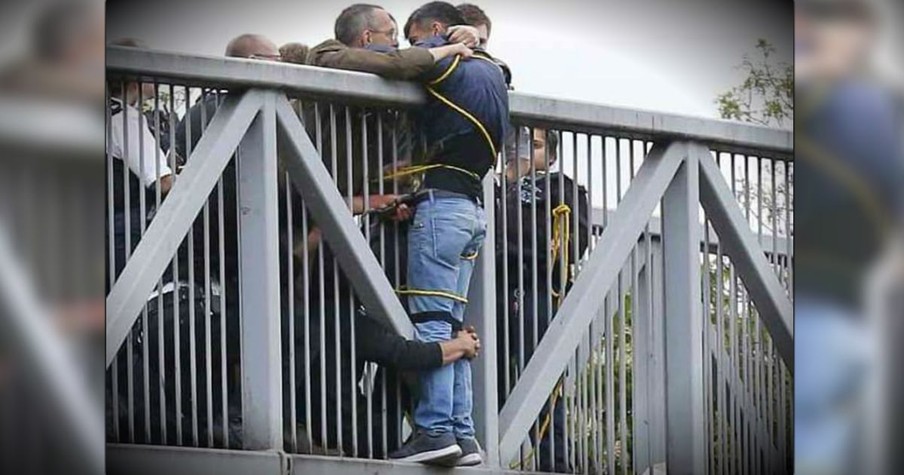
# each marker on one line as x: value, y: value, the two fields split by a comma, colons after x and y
x: 553, y: 398
x: 560, y: 237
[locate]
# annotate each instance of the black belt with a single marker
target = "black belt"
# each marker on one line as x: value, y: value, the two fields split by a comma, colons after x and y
x: 423, y: 195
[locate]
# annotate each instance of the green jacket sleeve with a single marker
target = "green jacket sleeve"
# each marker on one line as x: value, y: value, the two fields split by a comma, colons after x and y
x: 404, y: 64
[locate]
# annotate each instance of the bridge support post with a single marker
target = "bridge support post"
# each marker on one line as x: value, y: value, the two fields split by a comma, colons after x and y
x: 481, y: 312
x: 685, y: 435
x: 259, y: 286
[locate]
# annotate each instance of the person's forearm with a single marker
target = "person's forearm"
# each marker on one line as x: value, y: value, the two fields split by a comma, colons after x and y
x: 442, y: 52
x: 453, y: 351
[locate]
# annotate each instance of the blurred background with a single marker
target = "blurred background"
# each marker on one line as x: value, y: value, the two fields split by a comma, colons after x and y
x: 849, y: 267
x: 847, y: 89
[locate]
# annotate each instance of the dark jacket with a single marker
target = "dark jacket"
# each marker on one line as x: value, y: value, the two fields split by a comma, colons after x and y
x: 520, y: 258
x: 477, y: 86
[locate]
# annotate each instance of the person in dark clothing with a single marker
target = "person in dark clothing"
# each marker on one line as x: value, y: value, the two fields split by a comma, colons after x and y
x: 476, y: 17
x: 366, y: 40
x: 542, y: 200
x: 362, y: 339
x: 463, y: 123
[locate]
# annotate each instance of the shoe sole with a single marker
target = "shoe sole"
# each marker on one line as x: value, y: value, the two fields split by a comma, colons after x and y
x: 469, y: 460
x: 441, y: 456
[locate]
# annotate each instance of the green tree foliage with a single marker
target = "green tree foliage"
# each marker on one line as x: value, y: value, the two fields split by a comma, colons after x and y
x: 766, y: 96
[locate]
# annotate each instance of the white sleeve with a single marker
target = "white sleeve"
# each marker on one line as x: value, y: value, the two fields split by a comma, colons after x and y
x: 144, y: 155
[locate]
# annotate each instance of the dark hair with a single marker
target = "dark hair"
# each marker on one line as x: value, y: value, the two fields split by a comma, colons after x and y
x: 442, y: 12
x: 354, y: 20
x: 474, y: 15
x: 552, y: 143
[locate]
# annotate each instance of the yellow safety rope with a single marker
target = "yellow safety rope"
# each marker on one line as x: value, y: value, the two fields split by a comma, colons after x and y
x: 431, y: 293
x: 543, y: 428
x: 448, y: 71
x: 467, y: 115
x: 560, y: 236
x: 416, y: 169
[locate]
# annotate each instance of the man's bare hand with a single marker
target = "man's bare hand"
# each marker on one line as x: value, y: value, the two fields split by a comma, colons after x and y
x: 466, y: 34
x: 400, y: 212
x: 462, y: 50
x: 469, y: 341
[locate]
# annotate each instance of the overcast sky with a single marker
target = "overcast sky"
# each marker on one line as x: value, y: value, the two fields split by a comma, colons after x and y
x: 664, y: 55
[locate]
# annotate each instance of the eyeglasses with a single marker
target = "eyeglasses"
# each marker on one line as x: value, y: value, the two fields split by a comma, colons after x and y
x: 266, y: 57
x: 390, y: 33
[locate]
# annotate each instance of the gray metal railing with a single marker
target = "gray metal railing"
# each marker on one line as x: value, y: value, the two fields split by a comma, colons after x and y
x: 663, y: 336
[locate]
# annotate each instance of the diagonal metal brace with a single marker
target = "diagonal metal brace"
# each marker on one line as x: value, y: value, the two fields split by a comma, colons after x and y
x: 176, y: 214
x: 332, y: 215
x: 580, y: 306
x: 746, y: 253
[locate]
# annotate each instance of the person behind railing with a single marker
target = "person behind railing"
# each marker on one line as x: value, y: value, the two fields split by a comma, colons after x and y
x: 371, y: 47
x: 294, y: 53
x: 529, y: 187
x: 366, y: 40
x: 370, y: 341
x: 476, y: 17
x: 133, y: 145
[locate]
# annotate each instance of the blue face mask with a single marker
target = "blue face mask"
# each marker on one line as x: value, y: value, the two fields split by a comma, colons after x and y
x: 379, y: 48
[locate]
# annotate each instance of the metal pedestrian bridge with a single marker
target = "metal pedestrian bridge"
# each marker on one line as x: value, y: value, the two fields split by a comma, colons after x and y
x: 230, y: 333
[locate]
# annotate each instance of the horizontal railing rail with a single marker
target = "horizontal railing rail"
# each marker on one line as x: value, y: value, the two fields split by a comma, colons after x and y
x: 309, y: 81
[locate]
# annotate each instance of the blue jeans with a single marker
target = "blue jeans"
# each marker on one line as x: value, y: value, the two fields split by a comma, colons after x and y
x: 443, y: 243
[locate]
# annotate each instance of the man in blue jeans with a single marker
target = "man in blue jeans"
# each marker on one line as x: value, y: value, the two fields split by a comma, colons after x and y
x: 464, y: 122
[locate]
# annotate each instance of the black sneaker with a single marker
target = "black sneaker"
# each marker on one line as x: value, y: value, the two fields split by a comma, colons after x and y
x: 470, y: 453
x: 435, y: 449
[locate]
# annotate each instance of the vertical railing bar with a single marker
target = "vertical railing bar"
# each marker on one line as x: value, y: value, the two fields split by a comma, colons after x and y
x: 177, y: 350
x: 622, y: 350
x: 743, y: 315
x: 192, y: 347
x: 161, y: 358
x: 598, y: 437
x: 534, y: 277
x: 610, y: 386
x: 351, y: 299
x: 224, y: 383
x: 322, y: 296
x: 720, y: 334
x: 614, y: 346
x: 629, y: 425
x: 589, y: 236
x: 381, y: 184
x: 366, y: 220
x: 788, y: 229
x: 290, y: 301
x: 563, y: 266
x: 707, y: 348
x: 145, y: 336
x: 547, y: 215
x: 207, y: 292
x: 306, y: 309
x: 111, y: 251
x: 127, y: 207
x: 506, y: 353
x: 520, y: 216
x: 737, y: 430
x: 648, y: 256
x: 337, y: 327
